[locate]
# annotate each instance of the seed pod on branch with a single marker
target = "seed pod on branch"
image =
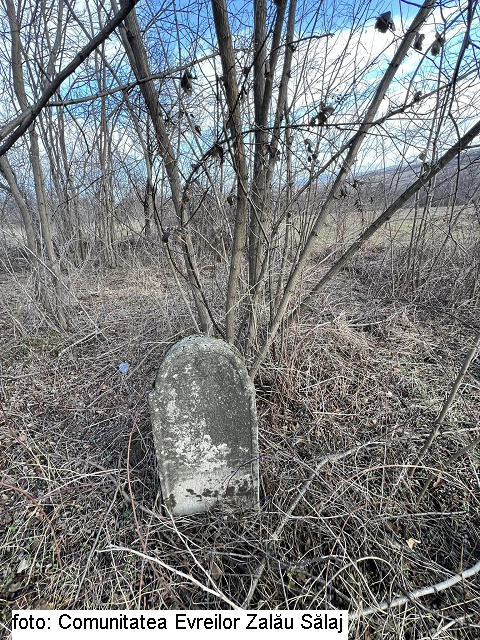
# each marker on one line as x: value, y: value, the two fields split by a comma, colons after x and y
x: 325, y: 111
x: 274, y: 153
x: 437, y: 44
x: 384, y: 22
x: 217, y: 151
x: 418, y: 44
x: 186, y: 82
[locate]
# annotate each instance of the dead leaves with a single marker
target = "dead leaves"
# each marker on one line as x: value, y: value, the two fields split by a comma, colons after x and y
x: 384, y: 22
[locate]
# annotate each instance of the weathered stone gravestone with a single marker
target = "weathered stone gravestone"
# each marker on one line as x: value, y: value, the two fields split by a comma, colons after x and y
x: 205, y: 427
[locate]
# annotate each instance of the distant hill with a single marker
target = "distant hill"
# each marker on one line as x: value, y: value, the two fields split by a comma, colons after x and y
x: 396, y: 179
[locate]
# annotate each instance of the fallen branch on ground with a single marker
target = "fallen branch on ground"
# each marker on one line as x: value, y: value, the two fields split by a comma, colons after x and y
x: 216, y: 593
x: 419, y: 593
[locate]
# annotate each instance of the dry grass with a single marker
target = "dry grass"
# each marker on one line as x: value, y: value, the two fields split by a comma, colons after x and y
x: 363, y: 377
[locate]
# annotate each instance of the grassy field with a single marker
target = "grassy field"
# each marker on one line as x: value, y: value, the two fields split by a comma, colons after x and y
x: 345, y: 402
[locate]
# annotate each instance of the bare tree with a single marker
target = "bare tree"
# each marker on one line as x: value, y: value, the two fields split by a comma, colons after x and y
x: 138, y: 59
x: 34, y: 152
x: 293, y: 109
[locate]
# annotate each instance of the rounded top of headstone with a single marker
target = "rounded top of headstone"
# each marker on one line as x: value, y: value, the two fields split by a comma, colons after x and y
x: 213, y: 349
x: 200, y: 341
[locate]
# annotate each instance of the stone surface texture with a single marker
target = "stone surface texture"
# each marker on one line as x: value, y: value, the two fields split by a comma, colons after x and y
x: 205, y: 427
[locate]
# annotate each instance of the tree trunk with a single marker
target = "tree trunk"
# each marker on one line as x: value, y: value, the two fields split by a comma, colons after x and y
x: 17, y: 71
x: 227, y: 56
x: 399, y: 56
x: 137, y: 56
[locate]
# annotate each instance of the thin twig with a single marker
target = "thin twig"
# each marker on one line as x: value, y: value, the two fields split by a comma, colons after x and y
x: 448, y: 403
x: 419, y: 593
x: 39, y: 507
x: 257, y: 574
x: 32, y: 112
x: 94, y: 545
x: 196, y: 582
x: 453, y: 457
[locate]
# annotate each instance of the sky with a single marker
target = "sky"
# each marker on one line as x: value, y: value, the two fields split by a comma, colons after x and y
x: 342, y: 69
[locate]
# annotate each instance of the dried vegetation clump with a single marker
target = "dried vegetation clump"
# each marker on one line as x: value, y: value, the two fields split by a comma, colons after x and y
x: 345, y: 403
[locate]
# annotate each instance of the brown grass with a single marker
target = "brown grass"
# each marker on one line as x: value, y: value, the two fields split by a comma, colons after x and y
x: 365, y: 374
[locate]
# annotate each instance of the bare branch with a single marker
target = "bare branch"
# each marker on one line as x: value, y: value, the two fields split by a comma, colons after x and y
x: 419, y: 593
x: 399, y: 56
x: 217, y: 593
x: 427, y: 175
x: 32, y: 112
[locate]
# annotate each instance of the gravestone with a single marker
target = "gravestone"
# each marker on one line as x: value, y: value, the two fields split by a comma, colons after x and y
x: 205, y: 427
